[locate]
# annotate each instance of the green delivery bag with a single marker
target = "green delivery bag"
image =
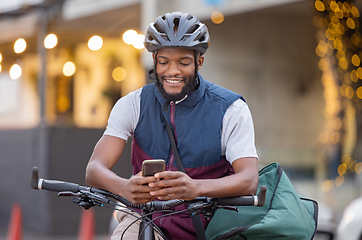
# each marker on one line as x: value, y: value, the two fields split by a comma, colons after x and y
x: 285, y: 214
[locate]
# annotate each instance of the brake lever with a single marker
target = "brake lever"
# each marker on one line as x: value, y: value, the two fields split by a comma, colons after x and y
x: 85, y: 199
x: 231, y: 208
x: 69, y: 194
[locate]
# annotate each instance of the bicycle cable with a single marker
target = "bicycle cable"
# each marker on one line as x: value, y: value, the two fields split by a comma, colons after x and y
x: 154, y: 226
x: 166, y: 215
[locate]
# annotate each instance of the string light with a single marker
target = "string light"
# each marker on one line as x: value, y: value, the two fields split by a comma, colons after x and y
x: 339, y: 49
x: 95, y: 43
x: 15, y: 72
x: 217, y: 17
x: 69, y: 69
x: 20, y: 45
x: 139, y: 41
x: 119, y: 74
x: 131, y: 37
x: 50, y: 41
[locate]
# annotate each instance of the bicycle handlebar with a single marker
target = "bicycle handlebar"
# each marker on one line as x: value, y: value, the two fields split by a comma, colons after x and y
x: 73, y: 189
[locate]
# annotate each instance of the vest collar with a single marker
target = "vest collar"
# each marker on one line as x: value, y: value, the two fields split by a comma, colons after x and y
x: 190, y: 101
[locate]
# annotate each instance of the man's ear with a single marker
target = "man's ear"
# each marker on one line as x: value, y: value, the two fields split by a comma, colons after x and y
x: 153, y: 56
x: 200, y: 61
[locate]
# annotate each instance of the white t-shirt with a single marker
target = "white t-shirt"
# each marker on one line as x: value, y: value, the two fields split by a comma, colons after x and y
x: 237, y: 133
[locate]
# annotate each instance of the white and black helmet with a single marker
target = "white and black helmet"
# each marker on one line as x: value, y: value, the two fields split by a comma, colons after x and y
x: 177, y: 29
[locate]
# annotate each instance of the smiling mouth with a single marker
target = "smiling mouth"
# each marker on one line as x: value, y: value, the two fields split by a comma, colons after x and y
x: 173, y: 81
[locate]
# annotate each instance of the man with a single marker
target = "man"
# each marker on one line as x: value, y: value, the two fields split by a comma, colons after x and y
x: 212, y: 126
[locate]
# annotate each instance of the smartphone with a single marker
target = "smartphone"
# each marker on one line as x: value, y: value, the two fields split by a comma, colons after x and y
x: 152, y: 166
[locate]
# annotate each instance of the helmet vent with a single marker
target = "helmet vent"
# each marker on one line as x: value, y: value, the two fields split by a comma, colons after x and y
x: 176, y: 22
x: 159, y: 28
x: 202, y: 38
x: 193, y: 28
x: 189, y: 17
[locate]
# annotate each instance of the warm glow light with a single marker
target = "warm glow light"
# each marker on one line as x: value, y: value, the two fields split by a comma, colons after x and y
x: 0, y: 67
x: 50, y: 41
x: 342, y: 169
x: 359, y: 92
x: 130, y: 36
x: 355, y: 12
x: 1, y: 57
x: 119, y: 74
x: 323, y: 64
x: 343, y: 63
x: 334, y: 6
x: 20, y: 45
x: 15, y: 71
x: 69, y: 69
x: 350, y: 23
x: 217, y: 17
x: 95, y: 43
x: 349, y: 92
x: 356, y: 60
x: 359, y: 72
x: 353, y: 76
x: 319, y: 6
x: 138, y: 43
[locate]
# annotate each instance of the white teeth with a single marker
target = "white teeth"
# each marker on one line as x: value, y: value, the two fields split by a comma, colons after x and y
x: 173, y: 81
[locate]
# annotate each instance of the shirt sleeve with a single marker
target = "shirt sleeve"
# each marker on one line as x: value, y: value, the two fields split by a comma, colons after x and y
x: 124, y: 116
x: 237, y: 134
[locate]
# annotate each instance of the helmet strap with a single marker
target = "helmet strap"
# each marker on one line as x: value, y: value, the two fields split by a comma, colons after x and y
x: 196, y: 78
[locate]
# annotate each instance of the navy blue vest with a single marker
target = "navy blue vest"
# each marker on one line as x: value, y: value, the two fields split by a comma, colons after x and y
x: 197, y: 126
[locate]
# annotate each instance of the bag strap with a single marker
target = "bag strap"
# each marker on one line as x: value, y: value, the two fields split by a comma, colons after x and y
x: 179, y: 164
x: 196, y: 219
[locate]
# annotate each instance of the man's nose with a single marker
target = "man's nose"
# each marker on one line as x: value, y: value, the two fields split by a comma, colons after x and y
x: 173, y: 69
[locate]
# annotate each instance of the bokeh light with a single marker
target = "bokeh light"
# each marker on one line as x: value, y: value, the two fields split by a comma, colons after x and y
x: 50, y: 41
x: 130, y: 36
x: 15, y: 72
x: 95, y: 43
x: 217, y: 17
x: 20, y: 45
x: 119, y: 74
x: 69, y: 69
x: 139, y: 41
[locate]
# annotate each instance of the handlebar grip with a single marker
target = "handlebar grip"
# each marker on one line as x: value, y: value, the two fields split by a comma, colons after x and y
x: 57, y: 186
x: 51, y: 185
x: 258, y: 200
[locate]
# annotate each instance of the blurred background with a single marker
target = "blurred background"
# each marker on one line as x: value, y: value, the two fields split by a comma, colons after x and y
x: 64, y: 63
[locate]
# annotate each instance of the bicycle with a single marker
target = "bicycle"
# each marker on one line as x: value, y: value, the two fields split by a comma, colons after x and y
x: 88, y: 197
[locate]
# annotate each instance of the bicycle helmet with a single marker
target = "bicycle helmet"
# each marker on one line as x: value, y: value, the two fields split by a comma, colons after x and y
x: 177, y: 29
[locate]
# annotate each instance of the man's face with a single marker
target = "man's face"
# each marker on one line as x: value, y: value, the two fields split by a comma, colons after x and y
x: 176, y: 72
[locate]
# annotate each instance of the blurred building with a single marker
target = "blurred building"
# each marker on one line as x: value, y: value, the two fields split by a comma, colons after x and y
x: 55, y: 109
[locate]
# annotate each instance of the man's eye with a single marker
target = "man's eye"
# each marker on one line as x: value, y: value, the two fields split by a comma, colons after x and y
x: 185, y: 63
x: 162, y: 63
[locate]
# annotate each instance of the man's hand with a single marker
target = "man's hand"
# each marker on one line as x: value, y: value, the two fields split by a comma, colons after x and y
x: 174, y: 185
x: 137, y: 189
